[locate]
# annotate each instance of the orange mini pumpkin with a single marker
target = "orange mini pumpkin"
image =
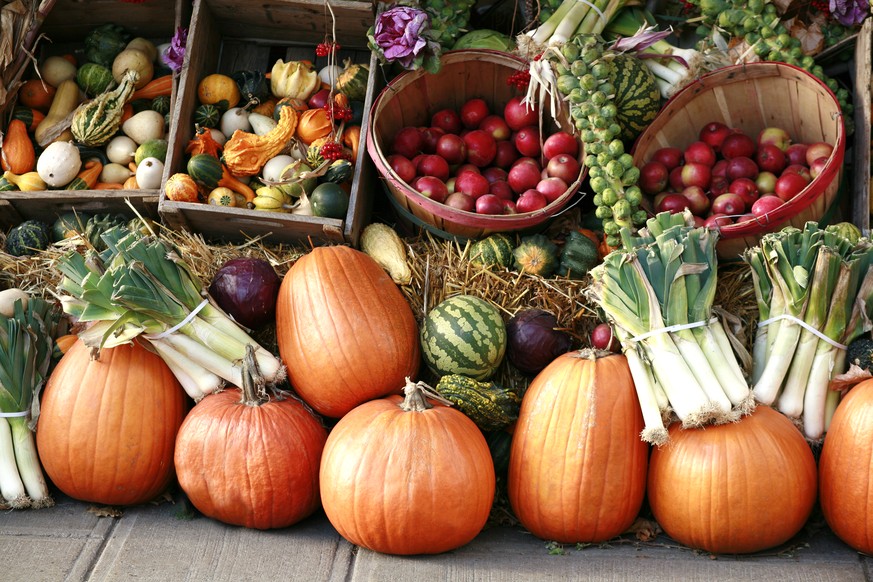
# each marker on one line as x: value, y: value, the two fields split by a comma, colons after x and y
x: 181, y: 187
x: 213, y: 89
x: 314, y: 124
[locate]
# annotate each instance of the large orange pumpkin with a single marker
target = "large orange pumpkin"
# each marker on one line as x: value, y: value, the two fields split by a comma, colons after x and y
x: 107, y: 427
x: 401, y: 477
x: 344, y: 330
x: 734, y: 488
x: 846, y: 469
x: 250, y: 462
x: 577, y: 467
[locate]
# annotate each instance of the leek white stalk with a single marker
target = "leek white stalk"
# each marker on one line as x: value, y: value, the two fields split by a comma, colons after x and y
x: 541, y: 35
x: 196, y: 380
x: 567, y: 26
x: 11, y: 486
x: 28, y: 464
x: 654, y: 431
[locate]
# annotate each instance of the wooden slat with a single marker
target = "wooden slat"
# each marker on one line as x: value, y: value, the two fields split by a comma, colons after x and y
x: 70, y: 20
x: 861, y: 162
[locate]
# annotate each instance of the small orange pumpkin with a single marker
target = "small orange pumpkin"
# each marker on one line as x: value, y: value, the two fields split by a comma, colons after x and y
x: 314, y: 124
x: 214, y: 89
x: 17, y: 154
x: 181, y: 187
x: 36, y: 94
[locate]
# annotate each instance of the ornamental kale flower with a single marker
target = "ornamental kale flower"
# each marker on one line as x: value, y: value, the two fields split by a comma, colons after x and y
x: 402, y: 35
x: 174, y: 56
x: 850, y: 12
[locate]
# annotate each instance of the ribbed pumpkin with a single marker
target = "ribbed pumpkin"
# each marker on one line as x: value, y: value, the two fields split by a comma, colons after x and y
x: 577, y: 467
x: 846, y: 469
x: 250, y: 461
x: 108, y: 426
x: 400, y: 476
x: 734, y: 488
x: 344, y: 329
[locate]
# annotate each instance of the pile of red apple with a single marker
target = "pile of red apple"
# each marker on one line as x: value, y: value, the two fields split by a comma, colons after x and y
x: 475, y: 160
x: 728, y: 177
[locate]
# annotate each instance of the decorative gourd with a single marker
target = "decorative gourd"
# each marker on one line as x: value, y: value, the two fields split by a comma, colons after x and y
x: 94, y: 79
x: 337, y: 309
x: 246, y: 153
x: 59, y: 163
x: 250, y: 461
x: 65, y: 342
x: 87, y: 178
x: 37, y: 94
x: 133, y: 60
x: 7, y: 186
x: 382, y: 242
x: 298, y: 105
x: 578, y: 256
x: 16, y: 150
x: 28, y: 238
x: 148, y: 173
x: 207, y: 116
x: 493, y: 251
x: 115, y: 173
x: 845, y: 469
x: 157, y: 87
x: 99, y: 154
x: 489, y: 405
x: 339, y: 171
x: 161, y: 104
x: 65, y: 101
x: 352, y: 139
x: 145, y: 126
x: 104, y: 42
x: 577, y: 469
x: 235, y: 118
x: 536, y: 255
x: 181, y: 187
x: 219, y: 90
x: 69, y: 224
x: 144, y: 45
x: 29, y: 182
x: 314, y: 124
x: 708, y: 491
x: 95, y: 122
x: 266, y: 107
x: 91, y: 446
x: 221, y: 196
x: 329, y: 200
x: 353, y: 81
x: 235, y: 184
x: 253, y: 86
x: 31, y: 117
x: 205, y: 170
x: 421, y: 454
x: 296, y: 79
x: 153, y: 148
x: 500, y: 444
x: 203, y: 143
x: 261, y: 124
x: 464, y: 335
x: 54, y: 70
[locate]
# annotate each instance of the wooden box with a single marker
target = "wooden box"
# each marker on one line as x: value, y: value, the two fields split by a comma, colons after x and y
x: 231, y: 35
x: 64, y: 28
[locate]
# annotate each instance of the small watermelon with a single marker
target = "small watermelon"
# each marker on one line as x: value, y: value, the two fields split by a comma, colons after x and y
x: 493, y: 251
x: 464, y: 335
x: 28, y: 238
x: 637, y: 97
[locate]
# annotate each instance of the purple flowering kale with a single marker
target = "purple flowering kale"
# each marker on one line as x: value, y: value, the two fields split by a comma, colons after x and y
x: 174, y: 56
x: 850, y: 12
x: 402, y: 35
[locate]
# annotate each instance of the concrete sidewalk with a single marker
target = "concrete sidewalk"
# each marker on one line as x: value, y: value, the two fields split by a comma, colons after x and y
x: 167, y: 543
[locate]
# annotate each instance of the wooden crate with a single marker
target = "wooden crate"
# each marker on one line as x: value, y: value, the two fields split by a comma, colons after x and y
x: 861, y: 151
x: 232, y: 35
x: 64, y: 28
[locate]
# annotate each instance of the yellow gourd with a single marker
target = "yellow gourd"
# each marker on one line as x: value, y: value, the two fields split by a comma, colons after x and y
x: 66, y: 99
x: 246, y: 153
x: 27, y: 182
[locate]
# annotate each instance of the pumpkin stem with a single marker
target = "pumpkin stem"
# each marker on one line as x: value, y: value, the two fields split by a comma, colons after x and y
x: 592, y: 353
x: 416, y: 395
x: 254, y: 386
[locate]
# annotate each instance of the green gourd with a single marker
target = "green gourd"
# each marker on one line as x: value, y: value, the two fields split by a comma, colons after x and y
x: 493, y: 251
x: 578, y: 256
x: 487, y: 404
x: 96, y: 121
x: 536, y: 255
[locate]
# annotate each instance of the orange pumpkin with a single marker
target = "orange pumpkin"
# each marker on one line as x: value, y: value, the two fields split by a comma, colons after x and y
x: 400, y: 476
x: 215, y: 88
x: 107, y: 427
x: 249, y: 461
x: 734, y: 488
x: 577, y: 468
x: 846, y: 469
x: 17, y: 154
x: 313, y: 124
x: 36, y: 94
x: 344, y: 329
x: 181, y: 187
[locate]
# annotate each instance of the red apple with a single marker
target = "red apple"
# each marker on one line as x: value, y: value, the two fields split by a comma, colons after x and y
x: 489, y: 204
x: 501, y: 189
x: 524, y: 175
x: 407, y: 142
x: 742, y: 167
x: 698, y: 201
x: 473, y: 184
x: 729, y: 204
x: 818, y: 150
x: 817, y: 167
x: 402, y: 166
x: 530, y: 200
x: 518, y: 114
x: 433, y: 165
x: 493, y: 173
x: 527, y: 141
x: 766, y: 183
x: 672, y: 203
x: 481, y: 148
x: 790, y: 185
x: 496, y: 126
x: 738, y: 145
x: 509, y: 207
x: 452, y: 148
x: 447, y: 120
x: 766, y: 204
x: 670, y: 157
x: 696, y: 175
x: 654, y: 177
x: 700, y: 152
x: 796, y: 153
x: 746, y: 217
x: 506, y: 154
x: 771, y: 158
x: 565, y: 167
x: 675, y: 178
x: 461, y: 201
x: 431, y: 187
x: 560, y: 142
x: 714, y: 221
x: 714, y: 134
x: 473, y: 112
x: 720, y: 168
x: 799, y: 169
x: 745, y: 189
x: 431, y: 137
x: 552, y: 188
x: 467, y: 168
x: 718, y: 186
x: 450, y: 184
x: 774, y: 136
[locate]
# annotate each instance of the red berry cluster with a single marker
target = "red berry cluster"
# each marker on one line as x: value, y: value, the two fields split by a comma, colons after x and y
x: 822, y: 6
x: 519, y: 79
x: 687, y: 7
x: 325, y: 48
x: 338, y: 113
x: 333, y: 151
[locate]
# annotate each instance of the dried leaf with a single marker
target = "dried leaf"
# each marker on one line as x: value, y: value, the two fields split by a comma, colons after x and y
x: 844, y: 382
x: 810, y: 36
x: 644, y: 529
x: 105, y: 511
x: 165, y: 497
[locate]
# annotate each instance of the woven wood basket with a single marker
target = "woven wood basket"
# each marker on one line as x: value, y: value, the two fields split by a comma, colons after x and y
x: 752, y: 97
x: 412, y: 98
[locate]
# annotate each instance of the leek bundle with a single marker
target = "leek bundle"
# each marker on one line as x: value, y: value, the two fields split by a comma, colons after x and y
x: 140, y: 287
x: 571, y: 18
x: 813, y: 287
x: 658, y: 292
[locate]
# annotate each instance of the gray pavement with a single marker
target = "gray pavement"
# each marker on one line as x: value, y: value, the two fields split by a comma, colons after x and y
x: 166, y: 542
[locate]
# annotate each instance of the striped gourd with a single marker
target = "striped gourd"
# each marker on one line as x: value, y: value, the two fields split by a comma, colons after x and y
x: 205, y: 170
x: 636, y: 96
x: 353, y: 81
x: 493, y: 251
x: 464, y: 335
x: 96, y: 121
x: 489, y: 405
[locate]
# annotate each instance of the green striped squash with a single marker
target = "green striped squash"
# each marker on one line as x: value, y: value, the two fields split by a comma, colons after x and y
x: 493, y: 251
x: 205, y: 169
x: 353, y: 82
x: 464, y: 335
x: 488, y: 404
x: 207, y: 116
x: 636, y: 96
x: 96, y: 121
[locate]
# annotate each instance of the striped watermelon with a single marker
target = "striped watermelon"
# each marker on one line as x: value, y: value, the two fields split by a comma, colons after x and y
x: 636, y: 96
x: 494, y: 251
x: 464, y: 335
